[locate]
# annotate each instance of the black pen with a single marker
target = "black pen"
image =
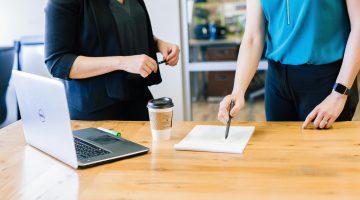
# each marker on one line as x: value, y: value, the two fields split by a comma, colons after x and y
x: 232, y: 103
x: 161, y: 62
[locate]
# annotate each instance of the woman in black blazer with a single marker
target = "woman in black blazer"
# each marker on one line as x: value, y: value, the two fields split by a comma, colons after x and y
x: 105, y: 52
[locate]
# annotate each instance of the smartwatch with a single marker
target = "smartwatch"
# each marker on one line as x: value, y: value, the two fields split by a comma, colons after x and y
x: 342, y: 89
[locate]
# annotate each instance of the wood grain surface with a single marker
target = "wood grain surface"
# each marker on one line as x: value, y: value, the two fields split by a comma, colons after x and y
x: 282, y: 161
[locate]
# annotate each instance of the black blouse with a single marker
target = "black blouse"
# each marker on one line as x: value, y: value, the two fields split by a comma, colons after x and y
x: 130, y: 20
x: 132, y: 31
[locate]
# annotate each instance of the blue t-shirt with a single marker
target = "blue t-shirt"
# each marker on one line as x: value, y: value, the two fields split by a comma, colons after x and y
x: 306, y: 31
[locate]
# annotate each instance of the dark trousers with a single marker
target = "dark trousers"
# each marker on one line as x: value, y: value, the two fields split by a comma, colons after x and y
x: 292, y: 92
x: 134, y: 110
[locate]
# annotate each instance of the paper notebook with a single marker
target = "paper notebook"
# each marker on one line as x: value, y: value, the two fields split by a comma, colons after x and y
x: 212, y: 139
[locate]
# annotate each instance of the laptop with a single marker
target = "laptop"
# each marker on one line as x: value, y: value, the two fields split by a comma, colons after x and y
x: 46, y: 121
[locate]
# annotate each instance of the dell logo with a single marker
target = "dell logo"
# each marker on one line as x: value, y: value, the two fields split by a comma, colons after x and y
x: 41, y: 115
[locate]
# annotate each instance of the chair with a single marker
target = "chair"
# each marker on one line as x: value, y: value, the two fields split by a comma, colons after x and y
x: 31, y: 56
x: 6, y: 64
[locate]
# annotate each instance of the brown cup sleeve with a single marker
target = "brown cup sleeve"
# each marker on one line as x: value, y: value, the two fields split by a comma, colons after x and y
x: 161, y: 120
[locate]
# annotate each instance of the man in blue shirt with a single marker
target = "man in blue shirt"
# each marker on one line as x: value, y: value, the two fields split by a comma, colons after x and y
x: 313, y: 49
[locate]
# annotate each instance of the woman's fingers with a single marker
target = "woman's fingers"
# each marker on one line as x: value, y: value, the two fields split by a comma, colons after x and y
x: 151, y: 66
x: 324, y: 122
x: 330, y: 122
x: 224, y: 108
x: 239, y: 104
x: 165, y: 53
x: 173, y: 56
x: 173, y: 52
x: 153, y: 62
x: 139, y: 64
x: 222, y: 118
x: 309, y: 118
x: 223, y: 114
x: 150, y: 62
x: 327, y: 111
x: 318, y: 119
x: 147, y: 68
x: 173, y: 61
x: 144, y: 73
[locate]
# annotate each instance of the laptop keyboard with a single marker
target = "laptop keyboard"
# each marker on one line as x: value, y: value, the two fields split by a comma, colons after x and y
x: 86, y: 150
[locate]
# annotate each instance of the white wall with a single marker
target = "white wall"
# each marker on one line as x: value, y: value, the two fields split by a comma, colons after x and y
x: 165, y: 18
x: 20, y: 17
x: 26, y: 17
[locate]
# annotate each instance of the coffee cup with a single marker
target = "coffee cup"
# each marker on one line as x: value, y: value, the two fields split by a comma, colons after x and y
x: 161, y: 115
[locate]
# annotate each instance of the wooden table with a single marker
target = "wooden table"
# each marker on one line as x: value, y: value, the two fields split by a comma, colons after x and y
x: 282, y: 161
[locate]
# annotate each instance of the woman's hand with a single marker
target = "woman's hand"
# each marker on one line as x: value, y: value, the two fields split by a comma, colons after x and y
x: 327, y: 111
x: 139, y: 64
x: 169, y: 51
x: 224, y: 108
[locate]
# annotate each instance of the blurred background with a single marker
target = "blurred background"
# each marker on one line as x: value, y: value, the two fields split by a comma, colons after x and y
x: 209, y: 33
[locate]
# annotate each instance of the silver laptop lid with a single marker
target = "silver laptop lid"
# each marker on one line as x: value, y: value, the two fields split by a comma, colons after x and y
x: 45, y: 116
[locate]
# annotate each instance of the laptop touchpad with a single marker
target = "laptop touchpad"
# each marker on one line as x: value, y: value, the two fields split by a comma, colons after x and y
x: 103, y: 140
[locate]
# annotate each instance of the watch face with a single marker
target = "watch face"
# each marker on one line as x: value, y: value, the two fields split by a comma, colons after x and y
x: 341, y: 89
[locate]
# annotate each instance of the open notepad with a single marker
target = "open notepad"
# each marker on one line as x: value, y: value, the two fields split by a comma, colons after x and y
x: 212, y: 139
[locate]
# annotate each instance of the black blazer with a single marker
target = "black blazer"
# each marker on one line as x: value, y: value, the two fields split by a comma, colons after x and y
x: 88, y: 28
